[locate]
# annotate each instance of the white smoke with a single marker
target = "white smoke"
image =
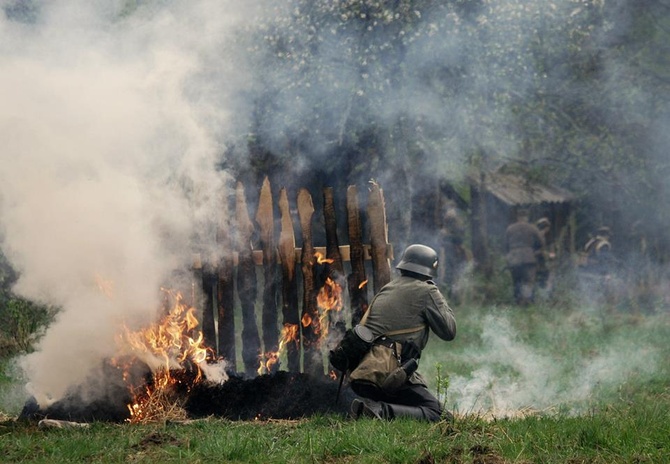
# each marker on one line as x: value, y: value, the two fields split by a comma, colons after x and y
x: 510, y: 375
x: 109, y: 148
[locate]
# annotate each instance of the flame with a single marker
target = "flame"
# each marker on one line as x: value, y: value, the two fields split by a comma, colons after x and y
x: 170, y: 345
x: 289, y: 334
x: 363, y: 284
x: 328, y: 299
x: 321, y: 259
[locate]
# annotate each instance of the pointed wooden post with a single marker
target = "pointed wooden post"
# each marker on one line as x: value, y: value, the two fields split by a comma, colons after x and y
x: 379, y: 246
x: 208, y: 287
x: 289, y: 288
x: 246, y: 284
x: 335, y: 269
x: 311, y: 329
x: 357, y: 281
x: 330, y: 221
x: 225, y: 290
x: 265, y: 220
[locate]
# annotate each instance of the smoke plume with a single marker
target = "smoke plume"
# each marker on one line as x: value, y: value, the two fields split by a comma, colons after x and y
x: 111, y: 125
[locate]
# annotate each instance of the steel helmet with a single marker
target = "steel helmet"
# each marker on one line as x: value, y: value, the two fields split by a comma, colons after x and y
x: 421, y: 259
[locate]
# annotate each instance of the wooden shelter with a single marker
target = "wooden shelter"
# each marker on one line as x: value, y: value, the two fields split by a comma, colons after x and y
x: 495, y: 199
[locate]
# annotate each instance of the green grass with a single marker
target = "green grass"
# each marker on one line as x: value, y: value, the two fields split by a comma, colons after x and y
x: 622, y: 433
x: 542, y: 384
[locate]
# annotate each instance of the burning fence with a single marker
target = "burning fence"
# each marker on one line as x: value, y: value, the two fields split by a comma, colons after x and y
x: 184, y: 366
x: 325, y: 283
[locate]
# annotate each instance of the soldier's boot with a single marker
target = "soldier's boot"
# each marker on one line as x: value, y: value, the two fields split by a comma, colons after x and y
x: 397, y: 411
x: 368, y: 408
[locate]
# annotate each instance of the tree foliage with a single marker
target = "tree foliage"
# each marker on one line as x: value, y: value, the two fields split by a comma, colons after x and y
x: 574, y: 92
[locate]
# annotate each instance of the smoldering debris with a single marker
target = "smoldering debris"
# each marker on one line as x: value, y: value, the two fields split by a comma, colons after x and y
x: 282, y: 395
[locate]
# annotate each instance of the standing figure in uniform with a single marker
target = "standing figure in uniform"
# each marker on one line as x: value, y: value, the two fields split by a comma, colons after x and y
x: 410, y: 301
x: 523, y: 244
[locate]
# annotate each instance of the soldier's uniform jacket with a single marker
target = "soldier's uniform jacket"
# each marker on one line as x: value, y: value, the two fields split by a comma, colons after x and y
x: 405, y: 303
x: 522, y: 243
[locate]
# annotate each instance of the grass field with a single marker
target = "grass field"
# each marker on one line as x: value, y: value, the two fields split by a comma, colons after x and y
x: 533, y: 385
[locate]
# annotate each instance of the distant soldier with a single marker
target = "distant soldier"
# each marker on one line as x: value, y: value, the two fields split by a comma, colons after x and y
x: 523, y: 244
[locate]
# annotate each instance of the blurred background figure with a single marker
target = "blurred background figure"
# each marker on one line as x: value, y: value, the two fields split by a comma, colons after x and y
x: 523, y: 244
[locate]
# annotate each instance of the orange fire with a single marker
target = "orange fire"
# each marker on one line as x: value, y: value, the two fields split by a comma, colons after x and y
x: 289, y: 334
x: 320, y: 259
x: 328, y: 299
x: 170, y: 345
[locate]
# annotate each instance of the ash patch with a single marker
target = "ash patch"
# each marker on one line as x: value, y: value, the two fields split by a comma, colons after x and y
x: 281, y: 395
x: 76, y: 407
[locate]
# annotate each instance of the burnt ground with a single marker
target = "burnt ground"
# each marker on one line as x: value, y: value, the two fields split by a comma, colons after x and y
x: 281, y: 395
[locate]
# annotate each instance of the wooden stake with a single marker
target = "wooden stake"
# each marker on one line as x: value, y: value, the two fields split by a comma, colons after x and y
x: 330, y: 220
x: 289, y: 289
x: 265, y: 220
x: 334, y: 269
x: 246, y: 284
x: 381, y: 265
x: 312, y: 361
x: 226, y: 298
x: 208, y: 282
x: 357, y: 281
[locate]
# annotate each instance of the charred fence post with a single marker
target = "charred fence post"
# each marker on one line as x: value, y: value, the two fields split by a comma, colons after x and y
x: 208, y: 283
x: 226, y: 298
x: 334, y: 268
x: 379, y: 246
x: 356, y: 281
x: 246, y: 284
x: 289, y: 288
x: 312, y: 360
x: 320, y: 319
x: 265, y: 220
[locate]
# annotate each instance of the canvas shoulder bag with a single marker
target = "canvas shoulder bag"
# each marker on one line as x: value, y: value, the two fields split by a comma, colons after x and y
x: 381, y: 369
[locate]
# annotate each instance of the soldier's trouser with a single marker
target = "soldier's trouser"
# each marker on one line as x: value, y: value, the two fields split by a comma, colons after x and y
x: 523, y: 278
x: 413, y: 401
